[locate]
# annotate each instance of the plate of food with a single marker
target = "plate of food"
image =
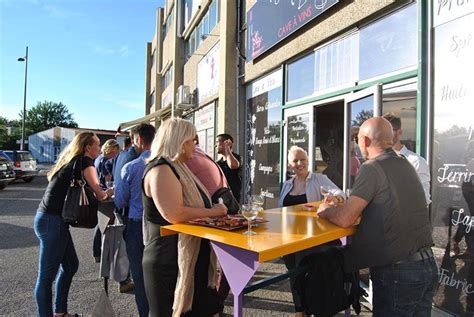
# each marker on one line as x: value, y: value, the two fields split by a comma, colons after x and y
x: 228, y: 222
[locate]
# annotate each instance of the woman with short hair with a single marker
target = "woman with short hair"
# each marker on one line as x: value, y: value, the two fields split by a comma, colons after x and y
x: 57, y: 251
x: 303, y: 187
x: 179, y: 270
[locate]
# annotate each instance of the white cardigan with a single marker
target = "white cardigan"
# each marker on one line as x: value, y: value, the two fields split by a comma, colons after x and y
x: 314, y: 181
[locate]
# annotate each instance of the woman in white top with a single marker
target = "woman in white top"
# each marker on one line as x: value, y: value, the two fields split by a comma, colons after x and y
x: 303, y: 187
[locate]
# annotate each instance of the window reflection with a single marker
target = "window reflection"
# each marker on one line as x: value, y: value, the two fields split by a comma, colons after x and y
x: 401, y: 101
x: 389, y: 44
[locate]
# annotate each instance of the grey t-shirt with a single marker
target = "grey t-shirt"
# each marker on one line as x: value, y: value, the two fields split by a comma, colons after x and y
x: 370, y: 185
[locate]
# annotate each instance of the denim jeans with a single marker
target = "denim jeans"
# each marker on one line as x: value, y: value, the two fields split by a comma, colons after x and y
x: 134, y: 242
x: 404, y: 289
x: 57, y: 253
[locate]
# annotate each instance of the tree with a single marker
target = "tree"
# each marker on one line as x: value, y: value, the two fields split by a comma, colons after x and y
x: 362, y: 116
x: 46, y: 115
x: 10, y: 132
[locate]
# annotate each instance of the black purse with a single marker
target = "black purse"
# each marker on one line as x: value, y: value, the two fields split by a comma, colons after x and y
x: 228, y: 199
x: 225, y: 194
x: 80, y: 206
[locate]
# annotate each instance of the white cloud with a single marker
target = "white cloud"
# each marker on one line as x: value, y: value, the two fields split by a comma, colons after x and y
x: 58, y: 12
x: 124, y: 102
x: 122, y: 51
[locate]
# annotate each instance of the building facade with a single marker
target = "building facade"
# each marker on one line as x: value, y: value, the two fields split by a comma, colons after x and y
x: 279, y: 73
x: 45, y: 146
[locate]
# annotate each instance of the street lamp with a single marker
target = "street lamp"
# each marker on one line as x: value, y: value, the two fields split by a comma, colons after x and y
x: 24, y: 59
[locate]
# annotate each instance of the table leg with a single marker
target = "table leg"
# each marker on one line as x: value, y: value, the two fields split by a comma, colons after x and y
x: 239, y: 266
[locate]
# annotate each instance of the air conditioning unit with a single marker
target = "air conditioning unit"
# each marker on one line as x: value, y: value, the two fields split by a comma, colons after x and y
x: 184, y: 98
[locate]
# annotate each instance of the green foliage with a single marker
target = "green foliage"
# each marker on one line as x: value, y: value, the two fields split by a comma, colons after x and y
x: 362, y: 116
x: 10, y: 132
x: 46, y: 115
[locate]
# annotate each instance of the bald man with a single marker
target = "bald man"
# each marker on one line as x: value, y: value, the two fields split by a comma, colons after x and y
x: 394, y: 236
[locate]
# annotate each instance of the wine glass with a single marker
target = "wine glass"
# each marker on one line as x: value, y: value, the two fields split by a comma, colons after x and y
x: 257, y: 199
x: 249, y: 212
x: 324, y: 191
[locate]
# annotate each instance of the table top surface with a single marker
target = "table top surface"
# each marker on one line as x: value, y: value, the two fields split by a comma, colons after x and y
x: 288, y: 230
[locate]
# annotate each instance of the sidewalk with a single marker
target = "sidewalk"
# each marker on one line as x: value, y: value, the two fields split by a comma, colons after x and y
x: 276, y: 299
x: 43, y: 168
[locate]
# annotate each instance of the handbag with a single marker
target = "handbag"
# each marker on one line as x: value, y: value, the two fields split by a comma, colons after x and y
x: 228, y: 199
x: 80, y: 206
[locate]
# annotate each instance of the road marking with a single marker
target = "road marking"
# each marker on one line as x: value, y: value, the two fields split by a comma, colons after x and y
x: 11, y: 188
x: 25, y: 199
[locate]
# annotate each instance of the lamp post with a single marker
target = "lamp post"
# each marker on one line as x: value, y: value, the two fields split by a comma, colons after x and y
x: 24, y: 59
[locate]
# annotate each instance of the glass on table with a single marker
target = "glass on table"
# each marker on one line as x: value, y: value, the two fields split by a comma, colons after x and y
x: 250, y: 212
x: 257, y: 199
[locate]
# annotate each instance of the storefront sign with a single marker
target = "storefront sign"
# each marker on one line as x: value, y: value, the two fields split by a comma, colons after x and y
x: 287, y: 16
x: 208, y: 74
x: 265, y: 84
x: 263, y: 138
x: 453, y: 153
x: 448, y: 10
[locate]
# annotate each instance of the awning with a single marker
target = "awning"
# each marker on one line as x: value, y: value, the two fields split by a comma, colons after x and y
x: 157, y: 115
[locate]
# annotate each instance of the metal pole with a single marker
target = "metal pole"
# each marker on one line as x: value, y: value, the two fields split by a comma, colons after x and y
x: 22, y: 145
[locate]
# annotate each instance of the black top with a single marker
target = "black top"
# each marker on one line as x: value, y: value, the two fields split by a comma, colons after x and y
x: 291, y: 200
x: 234, y: 177
x: 150, y: 212
x: 55, y: 194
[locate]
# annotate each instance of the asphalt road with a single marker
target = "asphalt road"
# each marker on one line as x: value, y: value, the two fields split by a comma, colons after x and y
x: 19, y: 262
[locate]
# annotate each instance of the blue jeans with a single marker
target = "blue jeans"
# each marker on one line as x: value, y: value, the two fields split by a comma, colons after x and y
x: 134, y: 242
x: 404, y: 289
x: 57, y: 253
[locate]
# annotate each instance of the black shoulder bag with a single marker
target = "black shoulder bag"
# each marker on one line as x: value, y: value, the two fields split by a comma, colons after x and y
x: 80, y: 206
x: 225, y: 194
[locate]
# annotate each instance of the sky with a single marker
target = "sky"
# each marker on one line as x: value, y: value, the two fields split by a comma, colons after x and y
x: 88, y: 54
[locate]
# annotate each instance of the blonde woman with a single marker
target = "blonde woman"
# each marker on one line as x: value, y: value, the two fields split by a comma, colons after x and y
x: 103, y: 163
x: 179, y: 271
x: 303, y: 187
x: 57, y: 252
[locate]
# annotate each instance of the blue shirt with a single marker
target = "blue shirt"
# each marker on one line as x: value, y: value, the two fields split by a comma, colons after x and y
x: 123, y: 158
x: 128, y: 193
x: 103, y: 167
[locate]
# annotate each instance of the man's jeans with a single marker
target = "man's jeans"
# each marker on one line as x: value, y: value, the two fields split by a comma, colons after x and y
x: 404, y: 289
x: 57, y: 252
x: 134, y: 242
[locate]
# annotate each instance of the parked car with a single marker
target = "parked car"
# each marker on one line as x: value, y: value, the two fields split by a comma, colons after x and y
x: 24, y: 164
x: 7, y: 174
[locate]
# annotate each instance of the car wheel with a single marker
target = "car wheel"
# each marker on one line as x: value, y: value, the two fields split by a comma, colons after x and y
x: 28, y: 179
x: 2, y: 186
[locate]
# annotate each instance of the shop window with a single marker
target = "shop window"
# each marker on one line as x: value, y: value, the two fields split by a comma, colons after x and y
x: 300, y: 78
x: 330, y: 66
x: 389, y: 44
x: 336, y: 64
x: 401, y: 101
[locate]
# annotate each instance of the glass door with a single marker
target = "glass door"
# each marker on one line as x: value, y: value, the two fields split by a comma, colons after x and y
x: 298, y: 131
x: 359, y: 107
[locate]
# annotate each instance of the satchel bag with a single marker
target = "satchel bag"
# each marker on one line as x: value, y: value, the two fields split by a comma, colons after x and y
x: 80, y: 206
x: 228, y: 199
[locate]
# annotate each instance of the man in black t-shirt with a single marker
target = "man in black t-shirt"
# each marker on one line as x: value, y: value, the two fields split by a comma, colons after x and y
x: 230, y: 163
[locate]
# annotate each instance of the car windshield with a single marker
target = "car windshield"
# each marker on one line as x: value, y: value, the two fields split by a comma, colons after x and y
x: 25, y: 156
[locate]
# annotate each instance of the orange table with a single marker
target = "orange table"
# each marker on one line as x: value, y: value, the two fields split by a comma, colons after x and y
x: 288, y: 230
